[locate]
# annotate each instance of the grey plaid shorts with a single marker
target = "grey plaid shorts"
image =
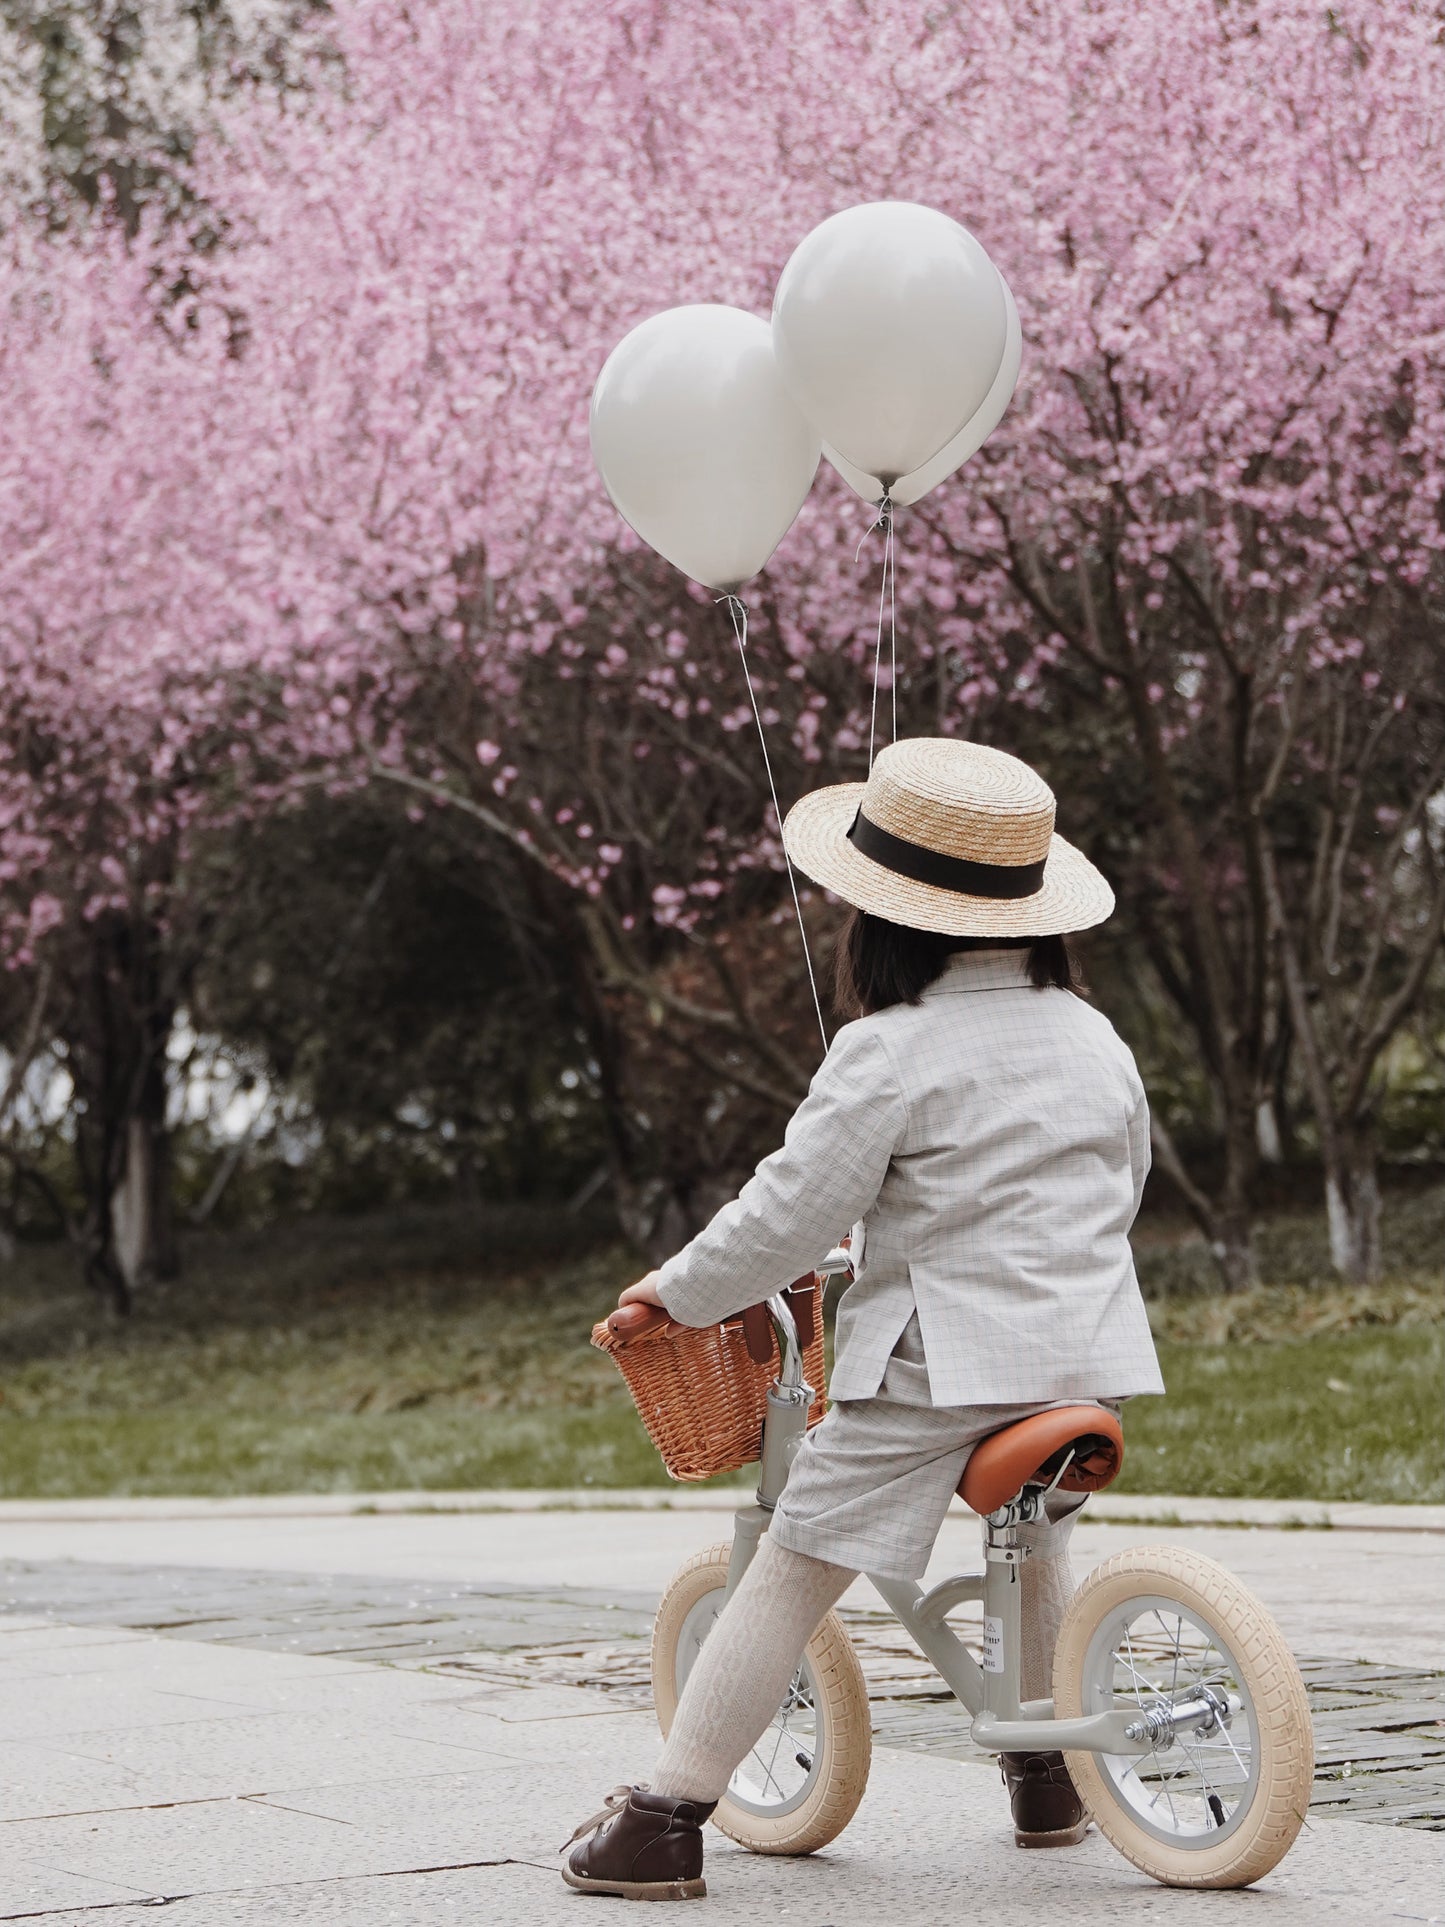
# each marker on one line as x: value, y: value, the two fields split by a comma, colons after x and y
x: 871, y: 1485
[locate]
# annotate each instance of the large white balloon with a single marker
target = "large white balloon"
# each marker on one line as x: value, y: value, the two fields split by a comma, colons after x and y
x: 889, y: 324
x: 703, y: 450
x: 969, y: 439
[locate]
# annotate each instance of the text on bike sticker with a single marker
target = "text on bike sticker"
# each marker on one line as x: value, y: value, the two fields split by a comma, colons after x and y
x: 992, y: 1644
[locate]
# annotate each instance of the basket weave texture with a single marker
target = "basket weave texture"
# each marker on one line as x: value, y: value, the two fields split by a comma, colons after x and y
x: 700, y: 1394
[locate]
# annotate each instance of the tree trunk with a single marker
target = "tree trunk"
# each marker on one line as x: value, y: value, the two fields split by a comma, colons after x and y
x: 144, y: 1229
x: 117, y: 1055
x: 649, y: 1214
x: 1352, y: 1201
x: 1227, y: 1225
x: 102, y: 1268
x: 1234, y: 1218
x: 1233, y: 1251
x: 1267, y: 1132
x: 142, y: 1218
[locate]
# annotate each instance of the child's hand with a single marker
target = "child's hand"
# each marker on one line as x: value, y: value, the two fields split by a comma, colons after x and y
x: 644, y: 1292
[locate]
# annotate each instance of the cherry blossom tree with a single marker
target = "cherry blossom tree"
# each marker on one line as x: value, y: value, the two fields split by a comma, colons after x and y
x: 101, y: 100
x: 143, y: 683
x: 1223, y: 500
x: 1218, y: 485
x: 334, y: 517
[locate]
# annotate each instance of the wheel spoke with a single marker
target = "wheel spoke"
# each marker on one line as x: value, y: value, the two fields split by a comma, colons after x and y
x: 1228, y: 1739
x: 1201, y: 1767
x: 769, y: 1780
x: 1140, y: 1682
x: 1162, y: 1657
x: 782, y: 1726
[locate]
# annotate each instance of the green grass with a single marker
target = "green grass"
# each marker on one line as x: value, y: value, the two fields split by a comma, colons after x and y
x: 1355, y: 1415
x: 440, y: 1349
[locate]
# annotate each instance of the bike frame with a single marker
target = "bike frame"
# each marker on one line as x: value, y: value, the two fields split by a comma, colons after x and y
x: 1002, y: 1723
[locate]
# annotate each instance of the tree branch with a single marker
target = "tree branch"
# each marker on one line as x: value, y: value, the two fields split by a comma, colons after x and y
x: 439, y: 793
x: 1168, y: 1160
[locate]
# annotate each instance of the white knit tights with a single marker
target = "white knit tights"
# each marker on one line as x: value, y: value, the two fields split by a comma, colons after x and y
x: 1047, y: 1579
x: 751, y: 1654
x: 745, y: 1666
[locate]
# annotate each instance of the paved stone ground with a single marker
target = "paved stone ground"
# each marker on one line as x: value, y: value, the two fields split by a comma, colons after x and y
x: 1348, y: 1593
x: 1379, y: 1730
x: 248, y: 1744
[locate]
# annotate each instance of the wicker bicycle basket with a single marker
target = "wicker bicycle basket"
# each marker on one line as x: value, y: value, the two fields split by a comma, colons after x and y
x: 701, y: 1394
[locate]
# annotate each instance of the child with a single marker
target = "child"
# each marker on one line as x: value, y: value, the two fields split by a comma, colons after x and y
x: 990, y: 1131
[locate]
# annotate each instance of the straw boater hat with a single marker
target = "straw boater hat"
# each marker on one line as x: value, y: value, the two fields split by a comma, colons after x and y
x: 952, y: 837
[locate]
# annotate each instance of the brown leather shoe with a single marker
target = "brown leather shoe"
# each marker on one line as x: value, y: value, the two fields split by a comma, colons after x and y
x: 644, y: 1846
x: 1047, y: 1811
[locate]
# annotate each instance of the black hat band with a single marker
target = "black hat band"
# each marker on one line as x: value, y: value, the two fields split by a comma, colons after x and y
x: 958, y: 873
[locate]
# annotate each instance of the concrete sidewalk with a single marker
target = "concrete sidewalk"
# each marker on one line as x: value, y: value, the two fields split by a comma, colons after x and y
x: 1326, y: 1588
x: 232, y: 1772
x: 1105, y: 1507
x: 247, y: 1789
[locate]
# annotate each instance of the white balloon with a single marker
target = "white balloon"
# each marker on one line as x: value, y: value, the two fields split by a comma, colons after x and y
x: 889, y: 324
x: 702, y: 448
x: 969, y: 439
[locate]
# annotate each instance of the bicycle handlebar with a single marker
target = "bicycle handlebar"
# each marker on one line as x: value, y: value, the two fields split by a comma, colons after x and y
x: 637, y: 1321
x: 790, y: 1352
x: 632, y: 1323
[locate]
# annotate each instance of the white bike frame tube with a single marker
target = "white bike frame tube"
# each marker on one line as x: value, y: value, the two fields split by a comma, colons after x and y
x: 989, y: 1692
x: 934, y: 1637
x: 1006, y: 1726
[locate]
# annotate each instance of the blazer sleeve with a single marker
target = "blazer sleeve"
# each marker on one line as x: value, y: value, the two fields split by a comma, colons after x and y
x: 1140, y: 1151
x: 802, y: 1199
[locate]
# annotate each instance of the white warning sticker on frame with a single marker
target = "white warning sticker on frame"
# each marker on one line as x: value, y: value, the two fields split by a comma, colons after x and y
x: 992, y: 1644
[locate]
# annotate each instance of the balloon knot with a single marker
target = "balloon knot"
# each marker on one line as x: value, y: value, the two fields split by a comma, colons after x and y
x: 738, y: 610
x: 882, y: 519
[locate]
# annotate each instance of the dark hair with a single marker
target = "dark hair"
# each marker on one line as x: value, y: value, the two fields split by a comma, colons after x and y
x: 877, y: 964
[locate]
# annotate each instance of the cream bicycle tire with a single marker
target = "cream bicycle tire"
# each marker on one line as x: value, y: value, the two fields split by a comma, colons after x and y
x: 1280, y: 1770
x: 839, y: 1774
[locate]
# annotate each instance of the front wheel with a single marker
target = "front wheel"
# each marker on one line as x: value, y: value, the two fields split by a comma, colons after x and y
x: 1165, y: 1635
x: 801, y: 1784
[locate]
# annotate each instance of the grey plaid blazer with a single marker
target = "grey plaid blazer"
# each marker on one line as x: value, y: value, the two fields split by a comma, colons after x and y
x: 994, y: 1140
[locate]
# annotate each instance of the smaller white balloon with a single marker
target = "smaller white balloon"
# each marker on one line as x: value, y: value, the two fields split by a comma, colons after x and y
x: 969, y: 439
x: 889, y: 324
x: 702, y: 448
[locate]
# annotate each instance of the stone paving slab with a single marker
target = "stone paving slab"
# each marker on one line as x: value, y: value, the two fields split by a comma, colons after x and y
x: 37, y: 1891
x: 48, y: 1709
x: 296, y: 1741
x: 38, y: 1780
x: 930, y: 1845
x: 1379, y: 1732
x: 808, y: 1894
x: 1380, y: 1729
x: 251, y: 1753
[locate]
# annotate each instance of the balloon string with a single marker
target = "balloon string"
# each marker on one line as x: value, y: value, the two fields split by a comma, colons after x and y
x: 890, y: 558
x: 738, y: 610
x: 886, y: 600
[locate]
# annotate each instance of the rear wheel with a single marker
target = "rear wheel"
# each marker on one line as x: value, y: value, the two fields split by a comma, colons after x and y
x: 801, y: 1784
x: 1166, y: 1635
